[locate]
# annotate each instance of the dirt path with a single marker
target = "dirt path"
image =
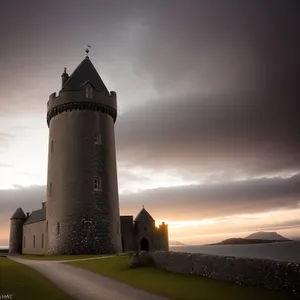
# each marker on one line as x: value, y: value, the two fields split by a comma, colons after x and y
x: 85, y: 285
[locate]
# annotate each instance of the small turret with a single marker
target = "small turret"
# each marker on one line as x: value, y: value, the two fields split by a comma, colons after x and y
x: 64, y: 77
x: 162, y: 236
x: 16, y: 231
x: 144, y: 228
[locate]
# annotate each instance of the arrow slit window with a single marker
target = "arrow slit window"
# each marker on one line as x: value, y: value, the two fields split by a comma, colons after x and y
x: 97, y: 139
x: 97, y: 184
x: 89, y: 92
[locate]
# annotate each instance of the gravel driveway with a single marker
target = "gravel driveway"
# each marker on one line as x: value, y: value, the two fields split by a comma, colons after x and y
x: 85, y: 285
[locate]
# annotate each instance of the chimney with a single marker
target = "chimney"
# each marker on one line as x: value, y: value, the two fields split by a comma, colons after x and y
x: 27, y: 215
x: 64, y: 77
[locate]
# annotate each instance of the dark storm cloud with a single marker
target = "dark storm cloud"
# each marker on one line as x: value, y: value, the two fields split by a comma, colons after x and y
x: 182, y: 47
x: 217, y: 200
x: 28, y: 198
x: 231, y: 45
x: 253, y: 135
x: 39, y: 38
x: 231, y: 72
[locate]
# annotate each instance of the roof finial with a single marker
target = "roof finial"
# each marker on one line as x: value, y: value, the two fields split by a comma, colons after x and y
x: 143, y: 206
x: 87, y: 50
x: 65, y: 70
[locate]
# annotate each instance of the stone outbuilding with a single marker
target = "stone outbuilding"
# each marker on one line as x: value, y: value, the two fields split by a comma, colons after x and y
x: 28, y: 234
x: 141, y: 234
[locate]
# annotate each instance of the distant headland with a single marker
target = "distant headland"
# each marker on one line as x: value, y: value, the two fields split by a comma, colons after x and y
x: 176, y: 243
x: 255, y: 238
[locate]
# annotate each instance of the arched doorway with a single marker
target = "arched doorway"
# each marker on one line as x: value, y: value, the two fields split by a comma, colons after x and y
x: 144, y: 244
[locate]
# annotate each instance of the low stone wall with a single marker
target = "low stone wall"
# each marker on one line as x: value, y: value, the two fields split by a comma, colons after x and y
x: 257, y: 272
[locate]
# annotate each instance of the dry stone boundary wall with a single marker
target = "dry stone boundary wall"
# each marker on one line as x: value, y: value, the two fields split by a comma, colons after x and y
x: 256, y: 272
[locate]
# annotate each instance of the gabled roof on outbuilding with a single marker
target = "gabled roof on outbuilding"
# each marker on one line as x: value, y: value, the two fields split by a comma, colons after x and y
x: 85, y: 72
x: 36, y: 216
x: 143, y: 216
x: 18, y: 214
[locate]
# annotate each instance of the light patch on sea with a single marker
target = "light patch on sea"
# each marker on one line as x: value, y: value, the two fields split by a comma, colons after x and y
x: 283, y: 251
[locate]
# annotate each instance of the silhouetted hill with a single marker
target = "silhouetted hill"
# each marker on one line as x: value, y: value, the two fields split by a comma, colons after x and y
x: 273, y: 236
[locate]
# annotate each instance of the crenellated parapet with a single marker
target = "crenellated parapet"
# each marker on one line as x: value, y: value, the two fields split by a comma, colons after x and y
x: 162, y: 237
x: 81, y: 106
x: 163, y: 227
x: 68, y: 101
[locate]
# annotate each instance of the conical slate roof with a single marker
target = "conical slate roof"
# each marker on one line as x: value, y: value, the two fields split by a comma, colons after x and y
x: 18, y: 215
x: 83, y: 74
x: 143, y: 216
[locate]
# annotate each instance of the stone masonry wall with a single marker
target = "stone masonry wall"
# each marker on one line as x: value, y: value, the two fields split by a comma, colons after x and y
x: 127, y: 233
x: 257, y: 272
x: 34, y: 238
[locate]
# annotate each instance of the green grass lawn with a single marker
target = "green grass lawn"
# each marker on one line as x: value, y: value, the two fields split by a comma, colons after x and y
x: 176, y: 286
x: 58, y: 257
x: 26, y: 284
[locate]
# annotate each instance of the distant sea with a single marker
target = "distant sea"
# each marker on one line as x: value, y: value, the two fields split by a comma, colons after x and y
x: 283, y: 251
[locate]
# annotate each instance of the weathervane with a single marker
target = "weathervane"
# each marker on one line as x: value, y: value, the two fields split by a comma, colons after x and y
x: 88, y: 49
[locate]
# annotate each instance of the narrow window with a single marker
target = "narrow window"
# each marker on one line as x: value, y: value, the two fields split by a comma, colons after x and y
x: 97, y: 185
x: 24, y: 241
x: 50, y: 189
x: 34, y: 241
x: 58, y: 228
x: 51, y: 146
x: 89, y: 92
x: 42, y: 241
x: 97, y: 139
x: 47, y: 227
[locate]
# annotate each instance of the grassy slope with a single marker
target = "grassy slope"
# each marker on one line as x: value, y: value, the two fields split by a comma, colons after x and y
x: 57, y: 257
x: 176, y: 286
x: 25, y: 283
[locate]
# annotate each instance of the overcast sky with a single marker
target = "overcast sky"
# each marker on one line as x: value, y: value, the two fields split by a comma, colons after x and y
x: 208, y: 129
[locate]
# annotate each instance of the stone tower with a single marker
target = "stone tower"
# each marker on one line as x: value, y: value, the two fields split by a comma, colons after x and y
x: 16, y: 231
x: 82, y: 191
